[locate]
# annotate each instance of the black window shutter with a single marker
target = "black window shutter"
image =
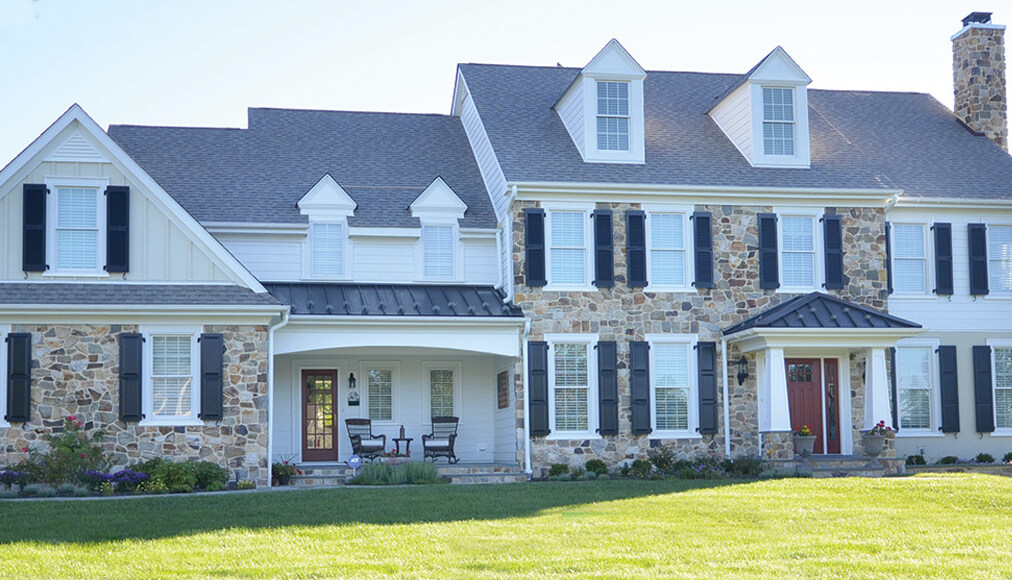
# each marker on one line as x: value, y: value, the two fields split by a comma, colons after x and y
x: 702, y: 229
x: 212, y: 380
x: 604, y: 249
x: 707, y: 358
x: 534, y: 242
x: 639, y: 386
x: 943, y: 259
x: 889, y: 261
x: 130, y: 376
x: 33, y: 254
x: 983, y: 397
x: 19, y: 377
x: 117, y: 233
x: 893, y: 387
x: 537, y: 383
x: 978, y: 259
x: 636, y: 248
x: 769, y: 268
x: 607, y: 385
x: 949, y: 382
x: 832, y: 226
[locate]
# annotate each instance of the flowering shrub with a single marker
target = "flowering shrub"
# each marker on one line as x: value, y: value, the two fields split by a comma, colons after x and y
x: 9, y: 478
x: 71, y: 452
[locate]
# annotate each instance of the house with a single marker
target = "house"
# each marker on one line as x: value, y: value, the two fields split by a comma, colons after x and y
x: 578, y: 263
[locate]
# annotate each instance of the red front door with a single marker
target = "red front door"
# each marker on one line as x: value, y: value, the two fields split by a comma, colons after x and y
x: 319, y: 415
x: 813, y: 393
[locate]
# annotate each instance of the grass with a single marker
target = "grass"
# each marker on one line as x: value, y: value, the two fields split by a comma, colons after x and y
x: 925, y: 526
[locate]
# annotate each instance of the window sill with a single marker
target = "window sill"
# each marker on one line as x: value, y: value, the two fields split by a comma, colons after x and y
x: 799, y: 289
x: 674, y: 435
x: 4, y: 424
x: 1002, y: 433
x: 570, y: 435
x: 551, y: 288
x: 911, y: 434
x: 73, y: 274
x: 661, y: 288
x: 181, y: 422
x: 913, y: 296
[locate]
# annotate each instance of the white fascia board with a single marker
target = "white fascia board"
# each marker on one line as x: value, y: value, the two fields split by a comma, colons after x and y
x: 459, y: 92
x: 129, y: 314
x: 254, y: 228
x: 475, y: 233
x: 161, y: 197
x: 756, y: 339
x: 953, y: 202
x: 715, y: 194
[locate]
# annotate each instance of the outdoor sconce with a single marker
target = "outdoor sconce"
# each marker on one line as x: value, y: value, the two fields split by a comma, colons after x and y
x: 351, y: 381
x: 742, y: 370
x: 353, y: 398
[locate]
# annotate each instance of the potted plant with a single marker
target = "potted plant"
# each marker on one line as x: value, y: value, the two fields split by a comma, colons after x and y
x: 282, y: 472
x: 394, y: 458
x: 874, y: 442
x: 804, y: 441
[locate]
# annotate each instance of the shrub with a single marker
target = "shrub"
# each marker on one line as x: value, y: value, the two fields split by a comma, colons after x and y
x: 641, y: 468
x: 81, y: 491
x: 176, y: 477
x: 948, y: 460
x: 1007, y: 458
x: 46, y: 491
x: 744, y: 466
x: 105, y: 488
x: 219, y: 486
x: 94, y: 478
x: 152, y: 486
x: 149, y: 467
x: 244, y: 485
x: 208, y: 473
x: 596, y: 466
x: 127, y: 480
x: 413, y: 472
x: 916, y: 460
x: 66, y: 489
x: 8, y: 494
x: 985, y: 458
x: 625, y: 470
x: 663, y: 458
x: 577, y: 472
x: 558, y: 469
x: 31, y: 490
x: 71, y: 452
x: 10, y: 478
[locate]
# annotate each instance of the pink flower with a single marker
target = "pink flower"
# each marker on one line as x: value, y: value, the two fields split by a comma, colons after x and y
x: 82, y: 456
x: 78, y: 423
x: 72, y: 418
x: 24, y: 450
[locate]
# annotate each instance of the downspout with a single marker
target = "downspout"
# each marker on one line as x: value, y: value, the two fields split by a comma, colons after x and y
x: 527, y: 407
x: 727, y: 404
x: 270, y: 383
x: 500, y: 279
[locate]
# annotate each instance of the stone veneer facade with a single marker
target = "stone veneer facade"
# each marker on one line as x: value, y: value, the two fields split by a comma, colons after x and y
x: 75, y: 371
x: 625, y: 314
x: 978, y: 75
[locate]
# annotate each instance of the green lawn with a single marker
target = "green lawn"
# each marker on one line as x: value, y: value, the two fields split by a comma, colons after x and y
x: 929, y: 526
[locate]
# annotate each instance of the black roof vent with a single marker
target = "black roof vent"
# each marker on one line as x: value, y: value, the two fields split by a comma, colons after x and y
x: 977, y: 17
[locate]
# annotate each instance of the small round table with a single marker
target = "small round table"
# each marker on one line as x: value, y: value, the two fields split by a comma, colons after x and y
x: 407, y: 445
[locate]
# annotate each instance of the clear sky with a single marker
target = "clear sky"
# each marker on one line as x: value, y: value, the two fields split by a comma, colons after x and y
x: 203, y: 62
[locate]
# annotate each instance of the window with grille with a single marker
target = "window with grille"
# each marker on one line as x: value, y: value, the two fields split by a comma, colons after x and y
x: 438, y: 251
x: 328, y: 250
x: 380, y: 385
x: 172, y: 377
x: 571, y: 384
x: 778, y: 121
x: 667, y: 249
x: 797, y: 255
x: 672, y: 384
x: 568, y: 247
x: 999, y: 241
x: 914, y: 386
x: 1003, y: 387
x: 441, y: 393
x: 909, y: 258
x: 77, y: 229
x: 612, y: 116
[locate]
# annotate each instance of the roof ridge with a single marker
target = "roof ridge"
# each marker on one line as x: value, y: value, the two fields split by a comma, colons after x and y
x: 348, y: 112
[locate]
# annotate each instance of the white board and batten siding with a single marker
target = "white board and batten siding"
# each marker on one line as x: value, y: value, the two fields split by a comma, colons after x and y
x: 506, y: 423
x: 959, y: 312
x: 160, y: 249
x: 734, y: 117
x: 495, y: 183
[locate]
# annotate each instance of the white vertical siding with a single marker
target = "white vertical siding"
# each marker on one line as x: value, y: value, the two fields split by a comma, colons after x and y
x: 383, y: 260
x: 505, y: 423
x: 269, y: 258
x: 571, y: 111
x: 734, y: 116
x: 480, y: 261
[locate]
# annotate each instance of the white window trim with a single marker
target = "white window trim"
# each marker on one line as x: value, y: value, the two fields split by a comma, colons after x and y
x: 929, y: 261
x: 818, y: 268
x: 457, y: 368
x: 307, y: 250
x: 147, y: 391
x: 5, y: 330
x: 994, y: 293
x: 688, y: 264
x: 802, y: 156
x: 592, y: 387
x: 53, y: 183
x: 690, y: 341
x: 458, y: 251
x: 588, y: 244
x: 997, y: 343
x: 363, y: 387
x: 936, y: 389
x: 637, y: 140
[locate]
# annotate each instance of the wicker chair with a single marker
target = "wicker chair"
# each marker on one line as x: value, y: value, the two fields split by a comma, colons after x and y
x: 439, y: 443
x: 363, y: 442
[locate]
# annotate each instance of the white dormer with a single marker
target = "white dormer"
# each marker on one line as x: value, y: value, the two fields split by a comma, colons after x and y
x: 603, y: 108
x: 766, y: 116
x: 327, y: 199
x: 438, y: 203
x: 326, y: 249
x: 438, y: 252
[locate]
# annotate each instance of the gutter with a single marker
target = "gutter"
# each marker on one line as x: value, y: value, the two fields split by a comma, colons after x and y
x: 727, y: 404
x: 270, y: 385
x: 527, y: 408
x: 735, y: 191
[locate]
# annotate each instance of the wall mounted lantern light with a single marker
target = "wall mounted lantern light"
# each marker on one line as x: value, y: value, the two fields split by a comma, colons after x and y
x: 742, y: 370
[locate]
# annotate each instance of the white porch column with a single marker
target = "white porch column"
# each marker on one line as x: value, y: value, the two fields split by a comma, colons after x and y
x: 774, y: 386
x: 876, y: 389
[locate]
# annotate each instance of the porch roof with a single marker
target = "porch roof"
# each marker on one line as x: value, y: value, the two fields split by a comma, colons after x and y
x: 818, y: 310
x: 393, y: 300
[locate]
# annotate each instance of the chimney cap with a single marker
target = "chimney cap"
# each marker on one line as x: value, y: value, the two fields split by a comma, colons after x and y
x: 977, y: 17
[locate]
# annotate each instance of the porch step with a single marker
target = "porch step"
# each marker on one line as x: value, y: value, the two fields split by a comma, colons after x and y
x: 841, y: 466
x: 327, y: 475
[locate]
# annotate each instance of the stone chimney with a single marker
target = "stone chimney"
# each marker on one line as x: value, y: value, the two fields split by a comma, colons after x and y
x: 978, y: 74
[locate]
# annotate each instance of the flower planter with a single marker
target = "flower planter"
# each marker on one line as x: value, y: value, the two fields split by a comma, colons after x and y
x: 804, y: 445
x: 394, y: 460
x: 873, y: 446
x: 284, y: 479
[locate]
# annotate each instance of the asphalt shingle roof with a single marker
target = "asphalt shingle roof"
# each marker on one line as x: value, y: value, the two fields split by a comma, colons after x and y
x: 194, y: 295
x: 859, y: 139
x: 257, y: 175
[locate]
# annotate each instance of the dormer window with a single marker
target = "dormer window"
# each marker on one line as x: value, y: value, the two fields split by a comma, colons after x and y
x: 438, y: 242
x: 326, y: 248
x: 612, y: 116
x: 327, y: 241
x: 778, y: 121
